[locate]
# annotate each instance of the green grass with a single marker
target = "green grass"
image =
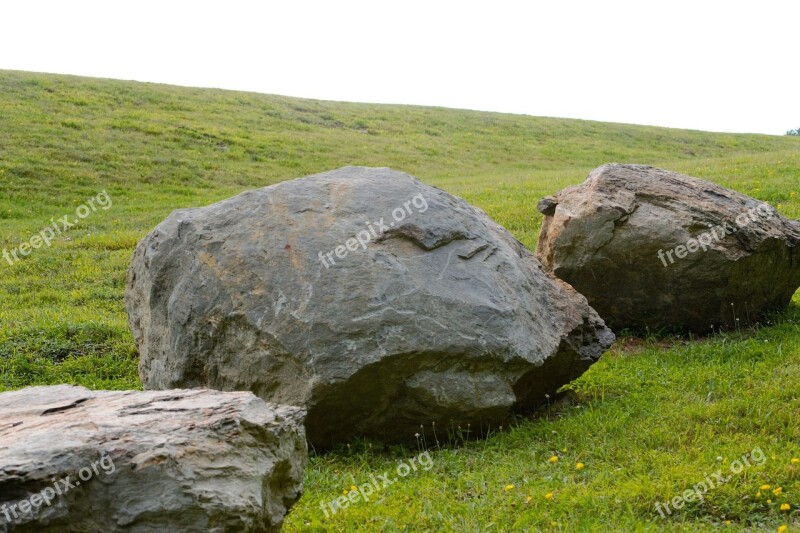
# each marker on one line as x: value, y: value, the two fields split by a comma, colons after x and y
x: 648, y: 421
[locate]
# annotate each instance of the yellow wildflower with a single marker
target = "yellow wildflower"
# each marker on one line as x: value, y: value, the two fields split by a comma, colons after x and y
x: 785, y: 507
x: 548, y: 496
x: 783, y: 529
x: 553, y: 459
x: 528, y: 499
x: 765, y: 487
x: 579, y: 466
x: 777, y: 491
x: 508, y: 487
x: 795, y: 460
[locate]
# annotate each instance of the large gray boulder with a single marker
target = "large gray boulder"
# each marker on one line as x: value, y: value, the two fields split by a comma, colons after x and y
x: 655, y: 249
x: 374, y: 301
x: 75, y: 460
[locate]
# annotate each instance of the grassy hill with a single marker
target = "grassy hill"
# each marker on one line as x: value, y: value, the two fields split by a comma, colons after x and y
x: 650, y: 420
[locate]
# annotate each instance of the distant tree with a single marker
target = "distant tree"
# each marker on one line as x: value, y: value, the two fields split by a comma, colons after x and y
x: 795, y: 132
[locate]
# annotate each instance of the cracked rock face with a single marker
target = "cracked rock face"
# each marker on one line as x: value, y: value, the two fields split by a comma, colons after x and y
x: 440, y: 316
x: 655, y: 249
x: 75, y: 460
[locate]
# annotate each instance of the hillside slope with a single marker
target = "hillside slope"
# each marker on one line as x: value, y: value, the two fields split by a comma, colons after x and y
x: 648, y: 421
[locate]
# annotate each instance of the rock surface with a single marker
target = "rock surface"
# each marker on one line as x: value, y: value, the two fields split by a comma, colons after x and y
x: 441, y: 316
x: 178, y: 460
x: 655, y: 249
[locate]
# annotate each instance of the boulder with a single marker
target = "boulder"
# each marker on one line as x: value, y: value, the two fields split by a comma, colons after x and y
x: 75, y: 460
x: 374, y: 301
x: 653, y: 249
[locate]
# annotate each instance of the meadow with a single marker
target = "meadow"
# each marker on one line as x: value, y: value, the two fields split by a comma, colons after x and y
x: 653, y: 418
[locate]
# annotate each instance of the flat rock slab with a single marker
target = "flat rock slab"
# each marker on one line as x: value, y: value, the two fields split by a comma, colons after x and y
x: 376, y: 302
x: 653, y: 249
x: 75, y: 460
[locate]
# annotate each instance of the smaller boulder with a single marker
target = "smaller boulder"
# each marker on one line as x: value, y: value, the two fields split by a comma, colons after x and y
x: 72, y: 459
x: 650, y: 248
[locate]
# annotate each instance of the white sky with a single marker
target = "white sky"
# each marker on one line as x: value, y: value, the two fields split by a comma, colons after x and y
x: 711, y: 65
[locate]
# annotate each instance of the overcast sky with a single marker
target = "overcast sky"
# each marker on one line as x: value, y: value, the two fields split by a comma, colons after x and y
x: 719, y: 66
